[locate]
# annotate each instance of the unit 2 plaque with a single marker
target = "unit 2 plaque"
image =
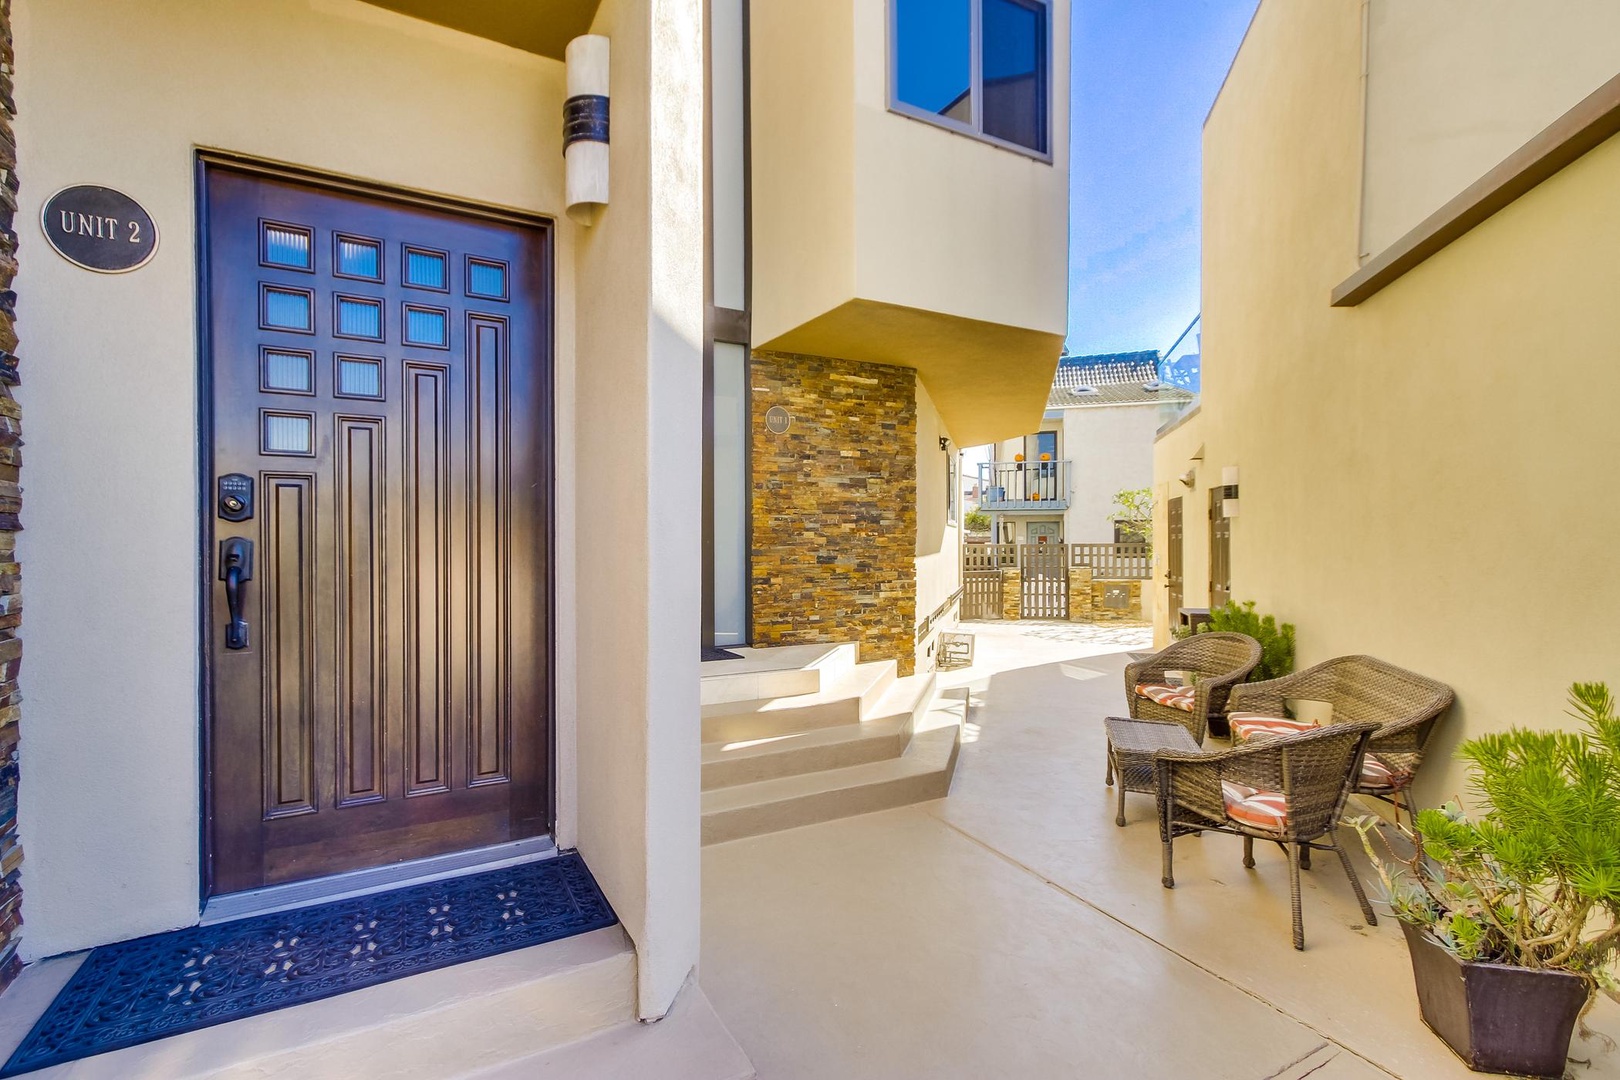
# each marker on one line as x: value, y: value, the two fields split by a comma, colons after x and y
x: 99, y: 229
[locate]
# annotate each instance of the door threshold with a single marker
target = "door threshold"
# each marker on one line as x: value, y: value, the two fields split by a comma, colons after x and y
x: 296, y: 894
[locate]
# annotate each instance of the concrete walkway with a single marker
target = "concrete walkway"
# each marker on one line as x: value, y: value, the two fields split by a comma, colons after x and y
x: 1012, y: 930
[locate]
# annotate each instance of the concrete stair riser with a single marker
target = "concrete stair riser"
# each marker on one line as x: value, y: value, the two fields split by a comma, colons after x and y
x: 853, y: 698
x: 924, y: 772
x: 887, y: 736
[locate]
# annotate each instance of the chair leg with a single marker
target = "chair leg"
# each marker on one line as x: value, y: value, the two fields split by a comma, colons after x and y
x: 1355, y: 883
x: 1248, y: 852
x: 1304, y: 857
x: 1110, y: 756
x: 1119, y: 818
x: 1293, y: 894
x: 1169, y: 878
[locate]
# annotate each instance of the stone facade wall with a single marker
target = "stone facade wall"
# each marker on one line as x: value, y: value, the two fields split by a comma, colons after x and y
x: 835, y: 505
x: 10, y: 506
x: 1086, y: 598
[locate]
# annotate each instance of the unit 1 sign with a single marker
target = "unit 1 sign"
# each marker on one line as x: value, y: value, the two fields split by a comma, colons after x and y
x: 99, y: 229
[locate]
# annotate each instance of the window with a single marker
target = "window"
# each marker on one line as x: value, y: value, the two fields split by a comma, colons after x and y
x: 977, y: 66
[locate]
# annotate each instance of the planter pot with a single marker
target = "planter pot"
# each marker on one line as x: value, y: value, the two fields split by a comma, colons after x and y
x: 1497, y: 1018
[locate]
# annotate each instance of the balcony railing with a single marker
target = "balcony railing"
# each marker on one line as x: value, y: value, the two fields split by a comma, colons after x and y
x: 1024, y: 485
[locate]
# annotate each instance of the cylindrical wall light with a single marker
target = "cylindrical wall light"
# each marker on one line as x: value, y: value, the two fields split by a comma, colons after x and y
x: 585, y: 128
x: 1229, y: 494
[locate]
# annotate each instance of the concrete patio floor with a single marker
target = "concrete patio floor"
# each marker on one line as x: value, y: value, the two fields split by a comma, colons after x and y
x: 1012, y: 930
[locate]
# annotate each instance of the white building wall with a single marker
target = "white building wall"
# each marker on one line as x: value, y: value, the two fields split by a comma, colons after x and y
x: 1112, y: 449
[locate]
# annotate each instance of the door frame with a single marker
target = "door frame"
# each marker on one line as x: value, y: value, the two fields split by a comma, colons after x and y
x: 207, y: 158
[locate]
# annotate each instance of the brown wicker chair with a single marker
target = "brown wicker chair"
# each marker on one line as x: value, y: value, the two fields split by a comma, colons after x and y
x: 1312, y: 771
x: 1221, y: 661
x: 1406, y: 706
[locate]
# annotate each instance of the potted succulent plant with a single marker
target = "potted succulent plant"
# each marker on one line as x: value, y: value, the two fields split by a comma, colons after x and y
x: 1512, y: 913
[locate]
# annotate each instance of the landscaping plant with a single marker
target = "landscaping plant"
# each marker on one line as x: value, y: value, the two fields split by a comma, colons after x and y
x: 1532, y: 879
x: 1276, y: 641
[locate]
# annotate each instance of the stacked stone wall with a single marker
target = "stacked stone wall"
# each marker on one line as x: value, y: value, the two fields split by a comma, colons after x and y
x: 835, y: 505
x: 10, y: 508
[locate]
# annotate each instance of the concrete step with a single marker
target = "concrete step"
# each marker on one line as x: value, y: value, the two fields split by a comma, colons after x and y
x: 691, y: 1043
x: 783, y: 671
x: 453, y: 1022
x: 885, y: 735
x: 922, y: 773
x: 849, y: 699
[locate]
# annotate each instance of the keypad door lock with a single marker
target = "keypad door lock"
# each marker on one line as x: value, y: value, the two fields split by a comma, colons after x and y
x: 235, y: 497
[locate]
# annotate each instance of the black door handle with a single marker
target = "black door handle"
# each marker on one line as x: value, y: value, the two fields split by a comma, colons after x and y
x: 235, y: 570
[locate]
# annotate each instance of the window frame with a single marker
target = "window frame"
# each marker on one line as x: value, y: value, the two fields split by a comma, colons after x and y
x: 975, y: 129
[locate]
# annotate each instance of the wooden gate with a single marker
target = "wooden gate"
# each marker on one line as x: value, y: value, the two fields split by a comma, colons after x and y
x: 982, y: 565
x: 1045, y: 571
x: 981, y: 594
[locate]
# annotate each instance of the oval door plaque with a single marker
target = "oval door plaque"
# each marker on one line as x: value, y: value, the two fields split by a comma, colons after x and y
x: 99, y: 229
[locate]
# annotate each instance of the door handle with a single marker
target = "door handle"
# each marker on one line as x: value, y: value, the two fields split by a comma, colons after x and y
x: 236, y: 570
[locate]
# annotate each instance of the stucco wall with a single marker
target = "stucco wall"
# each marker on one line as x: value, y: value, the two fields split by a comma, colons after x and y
x: 939, y: 540
x: 1112, y: 450
x: 1455, y: 86
x: 640, y: 368
x: 1417, y: 472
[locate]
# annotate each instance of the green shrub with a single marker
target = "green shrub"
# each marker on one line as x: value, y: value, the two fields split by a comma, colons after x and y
x: 976, y: 521
x: 1276, y: 642
x: 1533, y: 880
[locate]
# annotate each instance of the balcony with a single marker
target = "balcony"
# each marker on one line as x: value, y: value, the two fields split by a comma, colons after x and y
x: 1025, y: 485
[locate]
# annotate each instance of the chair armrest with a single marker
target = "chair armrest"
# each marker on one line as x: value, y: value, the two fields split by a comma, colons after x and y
x: 1269, y: 696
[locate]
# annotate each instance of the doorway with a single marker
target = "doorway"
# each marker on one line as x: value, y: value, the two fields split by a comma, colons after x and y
x: 1174, y: 575
x: 376, y: 528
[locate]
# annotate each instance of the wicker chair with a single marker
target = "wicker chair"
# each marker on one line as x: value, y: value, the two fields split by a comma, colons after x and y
x: 1406, y: 706
x: 1290, y: 790
x: 1221, y: 661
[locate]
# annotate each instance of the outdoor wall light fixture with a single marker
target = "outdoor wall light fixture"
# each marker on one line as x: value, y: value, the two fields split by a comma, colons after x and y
x: 1229, y: 493
x: 944, y: 444
x: 585, y: 128
x: 1188, y: 478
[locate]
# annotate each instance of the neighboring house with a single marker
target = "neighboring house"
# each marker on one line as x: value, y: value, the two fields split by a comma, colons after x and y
x: 1404, y: 216
x: 376, y: 521
x: 1057, y: 484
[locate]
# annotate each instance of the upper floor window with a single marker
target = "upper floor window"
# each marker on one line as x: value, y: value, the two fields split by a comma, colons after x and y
x: 978, y: 66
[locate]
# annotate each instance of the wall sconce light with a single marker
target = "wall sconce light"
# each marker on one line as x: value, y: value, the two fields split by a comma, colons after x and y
x: 944, y: 444
x: 585, y: 128
x: 1188, y: 478
x: 1229, y: 493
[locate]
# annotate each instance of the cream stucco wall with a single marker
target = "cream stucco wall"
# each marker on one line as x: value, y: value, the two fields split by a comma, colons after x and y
x: 1417, y: 472
x: 1455, y: 86
x: 887, y: 240
x: 939, y: 540
x: 944, y: 222
x: 123, y: 94
x: 1112, y: 450
x: 640, y: 401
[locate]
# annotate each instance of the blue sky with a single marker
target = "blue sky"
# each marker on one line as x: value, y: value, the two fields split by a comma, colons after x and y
x: 1145, y: 73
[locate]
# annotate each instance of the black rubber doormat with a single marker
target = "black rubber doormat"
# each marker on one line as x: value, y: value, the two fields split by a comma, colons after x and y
x: 138, y: 991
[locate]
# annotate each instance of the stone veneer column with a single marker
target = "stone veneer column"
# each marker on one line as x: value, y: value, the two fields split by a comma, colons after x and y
x: 10, y: 505
x: 1012, y: 593
x: 835, y: 505
x: 1080, y: 594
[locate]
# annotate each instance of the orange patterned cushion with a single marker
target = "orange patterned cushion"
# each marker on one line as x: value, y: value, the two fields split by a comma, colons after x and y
x: 1246, y: 725
x: 1255, y: 807
x: 1175, y: 697
x: 1375, y: 774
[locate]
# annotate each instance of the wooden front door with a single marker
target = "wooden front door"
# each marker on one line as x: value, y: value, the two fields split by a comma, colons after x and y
x: 1173, y: 575
x: 1220, y: 549
x: 380, y: 433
